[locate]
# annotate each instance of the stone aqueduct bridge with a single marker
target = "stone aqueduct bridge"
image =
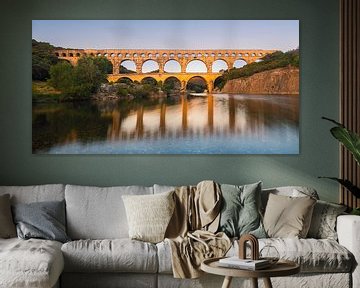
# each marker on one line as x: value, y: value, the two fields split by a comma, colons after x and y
x: 162, y: 56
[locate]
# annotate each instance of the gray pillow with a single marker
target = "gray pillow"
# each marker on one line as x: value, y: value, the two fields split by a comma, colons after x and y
x: 323, y: 222
x: 240, y: 212
x: 44, y: 220
x: 7, y: 227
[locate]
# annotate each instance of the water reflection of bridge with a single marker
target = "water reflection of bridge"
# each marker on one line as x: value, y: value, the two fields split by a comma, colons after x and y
x: 162, y: 57
x: 162, y: 121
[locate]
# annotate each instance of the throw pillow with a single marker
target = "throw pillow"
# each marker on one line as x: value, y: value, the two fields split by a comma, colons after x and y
x: 288, y: 217
x: 149, y: 215
x: 323, y: 222
x: 7, y: 227
x: 240, y: 213
x: 43, y: 220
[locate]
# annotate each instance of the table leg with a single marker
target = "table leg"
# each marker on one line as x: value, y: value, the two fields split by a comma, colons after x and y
x: 227, y: 282
x: 267, y: 283
x: 254, y: 282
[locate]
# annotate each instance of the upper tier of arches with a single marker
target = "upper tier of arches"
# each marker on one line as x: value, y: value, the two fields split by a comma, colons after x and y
x: 170, y: 61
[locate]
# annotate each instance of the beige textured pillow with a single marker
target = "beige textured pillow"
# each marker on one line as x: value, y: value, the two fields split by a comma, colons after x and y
x: 7, y: 226
x: 149, y: 215
x: 288, y: 217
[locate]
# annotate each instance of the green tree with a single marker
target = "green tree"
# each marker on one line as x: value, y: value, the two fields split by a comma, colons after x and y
x: 275, y: 60
x: 80, y: 81
x: 42, y: 58
x: 104, y: 64
x: 61, y: 76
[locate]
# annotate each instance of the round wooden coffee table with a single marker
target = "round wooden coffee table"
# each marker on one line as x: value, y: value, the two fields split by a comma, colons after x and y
x: 281, y: 268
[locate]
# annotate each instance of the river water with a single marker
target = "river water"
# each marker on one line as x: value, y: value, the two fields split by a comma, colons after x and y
x: 183, y: 124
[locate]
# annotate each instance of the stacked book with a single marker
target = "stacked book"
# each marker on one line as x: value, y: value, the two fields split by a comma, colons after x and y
x: 248, y: 264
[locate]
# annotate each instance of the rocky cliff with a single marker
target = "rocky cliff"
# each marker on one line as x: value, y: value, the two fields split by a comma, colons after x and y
x: 277, y: 81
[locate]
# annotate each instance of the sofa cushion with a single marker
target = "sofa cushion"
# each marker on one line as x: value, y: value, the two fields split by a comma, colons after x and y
x: 109, y: 280
x: 117, y: 255
x: 7, y: 226
x: 42, y: 220
x: 313, y: 255
x: 291, y: 191
x: 30, y: 263
x: 36, y: 193
x: 240, y: 210
x: 98, y: 213
x: 323, y: 222
x: 287, y: 216
x: 149, y: 215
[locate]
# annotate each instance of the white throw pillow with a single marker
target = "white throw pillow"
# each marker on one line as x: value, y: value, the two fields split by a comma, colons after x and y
x: 149, y: 215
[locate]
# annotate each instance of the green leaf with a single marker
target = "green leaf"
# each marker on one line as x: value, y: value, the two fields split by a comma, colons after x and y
x: 347, y: 184
x: 349, y: 139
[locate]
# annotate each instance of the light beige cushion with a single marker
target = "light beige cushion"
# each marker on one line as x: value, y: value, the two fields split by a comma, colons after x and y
x: 287, y: 217
x: 7, y: 226
x: 149, y: 215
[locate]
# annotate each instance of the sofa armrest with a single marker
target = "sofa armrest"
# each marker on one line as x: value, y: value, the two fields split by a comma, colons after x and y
x: 348, y: 230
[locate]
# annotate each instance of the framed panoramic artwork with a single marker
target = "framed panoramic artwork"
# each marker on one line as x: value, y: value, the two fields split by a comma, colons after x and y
x: 165, y: 87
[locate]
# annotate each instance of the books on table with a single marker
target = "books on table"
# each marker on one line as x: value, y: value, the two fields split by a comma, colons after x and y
x: 248, y: 264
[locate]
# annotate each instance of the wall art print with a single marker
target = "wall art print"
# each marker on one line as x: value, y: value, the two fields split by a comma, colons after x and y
x: 165, y: 87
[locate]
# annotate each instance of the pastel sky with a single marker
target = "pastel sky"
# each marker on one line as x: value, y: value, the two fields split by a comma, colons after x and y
x: 169, y: 34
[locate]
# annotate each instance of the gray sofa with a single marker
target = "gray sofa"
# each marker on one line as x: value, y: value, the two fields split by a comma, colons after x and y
x: 101, y: 254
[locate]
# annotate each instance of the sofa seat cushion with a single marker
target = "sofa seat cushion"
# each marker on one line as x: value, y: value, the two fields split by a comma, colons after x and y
x: 115, y: 255
x: 30, y: 263
x: 313, y: 255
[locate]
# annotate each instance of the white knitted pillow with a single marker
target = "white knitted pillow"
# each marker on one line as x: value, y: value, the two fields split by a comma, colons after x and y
x: 149, y: 215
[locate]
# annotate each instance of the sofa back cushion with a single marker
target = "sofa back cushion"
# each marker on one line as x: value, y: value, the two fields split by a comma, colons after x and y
x: 290, y: 191
x: 7, y: 226
x: 98, y: 212
x: 36, y: 193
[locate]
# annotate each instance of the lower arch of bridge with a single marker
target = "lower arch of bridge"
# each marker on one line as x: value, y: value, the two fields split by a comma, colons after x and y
x: 194, y: 84
x: 125, y: 80
x: 149, y: 80
x: 174, y: 83
x: 184, y: 78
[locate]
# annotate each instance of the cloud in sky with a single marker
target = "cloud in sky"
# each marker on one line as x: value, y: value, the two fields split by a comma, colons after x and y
x: 169, y: 34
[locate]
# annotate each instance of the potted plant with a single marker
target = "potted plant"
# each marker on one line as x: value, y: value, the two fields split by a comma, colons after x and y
x: 351, y: 141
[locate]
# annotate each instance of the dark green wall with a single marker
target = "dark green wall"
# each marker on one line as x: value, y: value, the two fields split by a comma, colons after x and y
x: 319, y: 96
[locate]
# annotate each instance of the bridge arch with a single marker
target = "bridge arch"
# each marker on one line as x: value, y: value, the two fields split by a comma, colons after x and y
x: 172, y: 66
x: 239, y: 63
x: 196, y: 66
x: 125, y: 80
x: 218, y: 65
x: 218, y: 82
x: 149, y: 80
x: 150, y: 66
x: 173, y: 83
x: 129, y: 65
x: 197, y: 84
